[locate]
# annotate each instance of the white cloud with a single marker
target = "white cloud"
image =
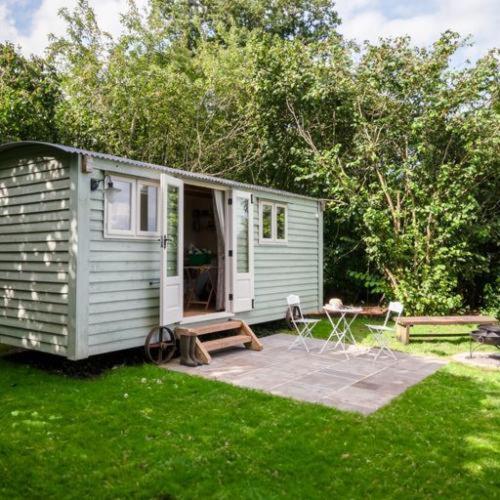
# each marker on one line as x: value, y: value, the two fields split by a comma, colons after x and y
x: 7, y: 28
x: 46, y: 20
x: 369, y: 20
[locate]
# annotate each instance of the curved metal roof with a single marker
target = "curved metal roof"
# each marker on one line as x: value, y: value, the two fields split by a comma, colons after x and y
x: 171, y: 171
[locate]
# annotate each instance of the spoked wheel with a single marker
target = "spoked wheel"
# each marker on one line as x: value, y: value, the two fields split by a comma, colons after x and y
x: 160, y: 345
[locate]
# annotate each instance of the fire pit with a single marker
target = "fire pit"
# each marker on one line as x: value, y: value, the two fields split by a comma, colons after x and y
x: 485, y: 335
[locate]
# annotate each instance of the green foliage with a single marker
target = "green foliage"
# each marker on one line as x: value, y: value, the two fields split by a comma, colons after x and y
x: 415, y: 173
x: 29, y: 94
x: 492, y: 298
x: 194, y: 21
x: 404, y: 147
x: 376, y: 284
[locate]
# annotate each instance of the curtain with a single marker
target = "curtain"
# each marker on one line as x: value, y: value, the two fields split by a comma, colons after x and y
x: 220, y: 227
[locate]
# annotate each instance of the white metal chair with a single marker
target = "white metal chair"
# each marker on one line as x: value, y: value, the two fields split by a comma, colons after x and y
x: 382, y: 333
x: 303, y: 326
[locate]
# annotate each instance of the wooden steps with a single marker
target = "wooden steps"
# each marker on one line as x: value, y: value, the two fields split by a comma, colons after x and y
x: 213, y: 328
x: 234, y: 340
x: 243, y: 336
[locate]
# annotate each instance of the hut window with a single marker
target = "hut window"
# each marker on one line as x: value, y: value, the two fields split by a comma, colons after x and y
x: 280, y: 222
x: 148, y: 207
x: 242, y: 236
x: 120, y: 221
x: 273, y: 222
x: 267, y: 221
x: 134, y: 211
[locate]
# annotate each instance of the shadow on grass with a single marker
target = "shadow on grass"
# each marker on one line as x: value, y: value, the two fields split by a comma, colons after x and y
x: 453, y: 419
x: 86, y: 368
x: 97, y: 365
x: 441, y: 346
x: 270, y: 328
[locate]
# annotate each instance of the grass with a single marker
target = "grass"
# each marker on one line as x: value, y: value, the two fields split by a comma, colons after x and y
x: 143, y: 432
x: 443, y: 347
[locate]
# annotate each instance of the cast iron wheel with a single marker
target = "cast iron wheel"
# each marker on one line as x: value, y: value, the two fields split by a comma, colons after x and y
x: 160, y: 345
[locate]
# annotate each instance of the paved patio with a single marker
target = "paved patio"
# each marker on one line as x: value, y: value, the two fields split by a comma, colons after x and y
x: 358, y: 384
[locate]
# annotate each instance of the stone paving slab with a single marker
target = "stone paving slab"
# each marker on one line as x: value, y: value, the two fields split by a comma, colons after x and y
x: 354, y: 383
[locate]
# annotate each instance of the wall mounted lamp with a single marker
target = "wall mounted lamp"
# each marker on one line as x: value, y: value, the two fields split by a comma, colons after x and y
x: 110, y: 190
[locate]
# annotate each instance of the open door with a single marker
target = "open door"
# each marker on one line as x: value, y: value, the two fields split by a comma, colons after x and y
x: 242, y: 244
x: 172, y: 238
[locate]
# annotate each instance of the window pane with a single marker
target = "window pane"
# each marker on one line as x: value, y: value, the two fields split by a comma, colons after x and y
x: 280, y: 223
x: 120, y: 217
x: 267, y: 221
x: 172, y: 229
x: 148, y: 202
x: 242, y: 236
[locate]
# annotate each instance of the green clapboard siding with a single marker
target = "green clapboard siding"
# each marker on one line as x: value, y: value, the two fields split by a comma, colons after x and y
x: 123, y: 306
x: 67, y: 290
x: 292, y: 267
x: 34, y: 222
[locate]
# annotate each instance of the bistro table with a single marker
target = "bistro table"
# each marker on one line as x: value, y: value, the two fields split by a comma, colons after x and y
x: 341, y: 326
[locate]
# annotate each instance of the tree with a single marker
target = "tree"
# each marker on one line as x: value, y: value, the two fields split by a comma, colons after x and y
x: 419, y: 176
x: 403, y: 147
x: 176, y: 87
x: 199, y: 20
x: 29, y: 94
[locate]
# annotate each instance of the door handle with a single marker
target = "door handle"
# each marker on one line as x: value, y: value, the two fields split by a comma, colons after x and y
x: 163, y: 240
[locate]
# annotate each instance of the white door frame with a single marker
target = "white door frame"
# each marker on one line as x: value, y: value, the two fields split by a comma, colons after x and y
x: 171, y: 287
x: 227, y: 259
x: 228, y: 237
x: 242, y: 284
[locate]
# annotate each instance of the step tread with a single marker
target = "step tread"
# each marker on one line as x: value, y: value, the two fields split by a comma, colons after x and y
x: 213, y: 328
x: 233, y: 340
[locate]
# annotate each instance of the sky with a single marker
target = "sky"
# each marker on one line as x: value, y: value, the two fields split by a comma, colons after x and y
x: 28, y: 22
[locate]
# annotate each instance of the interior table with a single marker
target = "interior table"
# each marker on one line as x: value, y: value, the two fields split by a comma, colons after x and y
x: 341, y: 326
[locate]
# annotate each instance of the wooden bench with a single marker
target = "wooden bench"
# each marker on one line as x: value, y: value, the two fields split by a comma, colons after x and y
x: 404, y: 325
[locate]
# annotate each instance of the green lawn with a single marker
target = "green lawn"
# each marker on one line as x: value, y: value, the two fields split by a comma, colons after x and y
x: 445, y: 346
x: 140, y: 431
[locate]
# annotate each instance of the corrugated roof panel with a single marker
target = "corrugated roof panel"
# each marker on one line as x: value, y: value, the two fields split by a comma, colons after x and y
x: 172, y: 171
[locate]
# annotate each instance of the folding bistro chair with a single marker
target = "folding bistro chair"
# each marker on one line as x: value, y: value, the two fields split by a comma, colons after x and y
x: 303, y: 326
x: 382, y: 333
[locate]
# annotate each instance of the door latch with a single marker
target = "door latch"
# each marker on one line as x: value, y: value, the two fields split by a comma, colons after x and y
x: 163, y: 240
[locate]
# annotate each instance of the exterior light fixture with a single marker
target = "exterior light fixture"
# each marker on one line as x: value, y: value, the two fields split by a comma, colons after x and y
x: 110, y: 190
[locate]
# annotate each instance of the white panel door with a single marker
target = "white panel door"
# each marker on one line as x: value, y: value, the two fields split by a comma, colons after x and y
x: 172, y: 242
x: 242, y: 244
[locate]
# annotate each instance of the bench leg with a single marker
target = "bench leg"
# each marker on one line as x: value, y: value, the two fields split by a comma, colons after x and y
x: 403, y: 334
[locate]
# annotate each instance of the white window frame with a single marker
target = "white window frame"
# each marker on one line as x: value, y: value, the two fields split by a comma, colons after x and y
x: 263, y: 239
x: 274, y: 240
x: 134, y: 233
x: 119, y: 233
x: 147, y: 234
x: 275, y: 220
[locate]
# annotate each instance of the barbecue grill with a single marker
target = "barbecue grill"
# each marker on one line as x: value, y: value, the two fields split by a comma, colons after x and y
x: 485, y: 335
